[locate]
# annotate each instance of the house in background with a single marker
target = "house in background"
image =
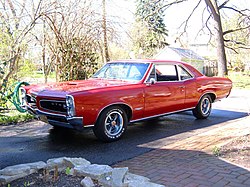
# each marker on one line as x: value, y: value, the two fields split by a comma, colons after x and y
x: 180, y: 54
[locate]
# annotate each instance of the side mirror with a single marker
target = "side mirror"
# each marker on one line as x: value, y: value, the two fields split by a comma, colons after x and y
x: 152, y: 81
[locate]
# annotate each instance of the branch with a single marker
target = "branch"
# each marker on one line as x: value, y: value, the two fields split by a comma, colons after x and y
x: 235, y: 42
x: 233, y: 49
x: 236, y: 10
x: 223, y: 4
x: 185, y: 23
x: 206, y: 25
x: 166, y: 6
x: 235, y: 30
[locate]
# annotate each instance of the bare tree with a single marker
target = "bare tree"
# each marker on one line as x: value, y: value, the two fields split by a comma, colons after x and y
x: 221, y: 54
x: 17, y: 19
x: 74, y: 39
x: 215, y: 11
x: 104, y: 26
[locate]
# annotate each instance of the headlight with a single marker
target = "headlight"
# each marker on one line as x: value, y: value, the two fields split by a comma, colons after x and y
x: 70, y: 105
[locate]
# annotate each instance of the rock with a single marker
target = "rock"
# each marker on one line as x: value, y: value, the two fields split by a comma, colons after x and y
x: 133, y: 177
x: 73, y: 162
x: 116, y: 179
x: 59, y: 162
x: 15, y: 170
x: 118, y: 176
x: 63, y: 162
x: 87, y: 182
x: 133, y: 180
x: 94, y: 171
x: 23, y: 168
x: 5, y: 179
x: 105, y: 181
x: 143, y: 184
x: 37, y: 165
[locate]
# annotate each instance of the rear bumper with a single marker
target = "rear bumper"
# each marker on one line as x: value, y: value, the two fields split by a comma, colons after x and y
x: 58, y: 119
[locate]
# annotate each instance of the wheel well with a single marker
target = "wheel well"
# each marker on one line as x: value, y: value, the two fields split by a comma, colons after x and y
x: 128, y: 110
x: 213, y: 96
x: 125, y: 107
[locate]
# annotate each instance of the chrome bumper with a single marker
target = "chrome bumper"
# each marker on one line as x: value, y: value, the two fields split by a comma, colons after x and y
x: 58, y: 119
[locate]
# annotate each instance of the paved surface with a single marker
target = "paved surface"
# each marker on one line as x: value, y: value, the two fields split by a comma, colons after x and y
x: 173, y: 150
x: 190, y: 161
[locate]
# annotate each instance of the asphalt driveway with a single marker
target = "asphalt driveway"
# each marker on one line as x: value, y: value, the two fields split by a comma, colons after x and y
x: 35, y: 141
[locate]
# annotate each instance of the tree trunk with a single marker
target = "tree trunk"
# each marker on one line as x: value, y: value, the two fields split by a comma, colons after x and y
x: 105, y: 43
x: 222, y: 61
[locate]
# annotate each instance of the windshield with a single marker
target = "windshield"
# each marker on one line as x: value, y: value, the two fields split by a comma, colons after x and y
x: 122, y: 71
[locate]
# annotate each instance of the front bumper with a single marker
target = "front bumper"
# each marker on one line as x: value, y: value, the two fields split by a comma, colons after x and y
x: 58, y: 119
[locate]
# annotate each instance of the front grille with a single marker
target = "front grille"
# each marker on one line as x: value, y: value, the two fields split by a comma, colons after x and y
x: 55, y: 106
x: 31, y: 100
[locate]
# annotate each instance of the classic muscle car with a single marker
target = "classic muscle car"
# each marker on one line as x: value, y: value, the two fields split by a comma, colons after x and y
x: 123, y: 92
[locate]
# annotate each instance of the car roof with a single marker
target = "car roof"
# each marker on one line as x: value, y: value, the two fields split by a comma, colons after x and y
x: 148, y: 61
x: 156, y: 61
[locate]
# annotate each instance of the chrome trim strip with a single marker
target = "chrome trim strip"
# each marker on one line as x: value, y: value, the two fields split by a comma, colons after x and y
x: 208, y: 93
x: 139, y: 108
x: 141, y: 119
x: 162, y: 95
x: 49, y: 114
x: 149, y: 72
x: 175, y: 64
x: 88, y: 126
x: 118, y: 103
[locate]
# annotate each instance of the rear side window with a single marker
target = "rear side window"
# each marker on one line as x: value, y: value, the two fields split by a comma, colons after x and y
x: 183, y: 73
x: 166, y: 72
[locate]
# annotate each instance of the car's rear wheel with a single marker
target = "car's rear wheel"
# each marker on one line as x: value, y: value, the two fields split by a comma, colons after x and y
x: 111, y: 124
x: 203, y: 108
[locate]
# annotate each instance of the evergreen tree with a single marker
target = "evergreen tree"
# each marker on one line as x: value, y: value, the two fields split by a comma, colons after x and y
x: 149, y: 17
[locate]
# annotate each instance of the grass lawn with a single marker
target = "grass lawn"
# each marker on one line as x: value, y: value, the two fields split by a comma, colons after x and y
x: 240, y: 80
x: 13, y: 116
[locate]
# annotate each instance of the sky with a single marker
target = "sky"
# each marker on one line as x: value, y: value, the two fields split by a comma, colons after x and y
x: 174, y: 17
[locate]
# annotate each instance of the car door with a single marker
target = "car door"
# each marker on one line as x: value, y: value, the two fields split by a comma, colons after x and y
x: 190, y: 84
x: 167, y: 94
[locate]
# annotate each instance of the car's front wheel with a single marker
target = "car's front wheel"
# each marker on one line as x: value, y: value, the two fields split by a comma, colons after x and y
x: 111, y: 124
x: 203, y: 108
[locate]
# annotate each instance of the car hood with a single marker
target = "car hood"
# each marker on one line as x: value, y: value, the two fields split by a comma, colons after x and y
x: 63, y: 88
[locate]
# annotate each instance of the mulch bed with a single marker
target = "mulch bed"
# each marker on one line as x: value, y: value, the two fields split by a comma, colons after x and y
x: 237, y: 151
x: 49, y: 180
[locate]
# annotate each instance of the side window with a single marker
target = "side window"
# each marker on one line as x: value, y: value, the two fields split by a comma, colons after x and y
x: 166, y: 72
x: 183, y: 73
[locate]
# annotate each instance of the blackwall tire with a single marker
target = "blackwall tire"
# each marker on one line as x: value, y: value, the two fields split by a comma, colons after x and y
x: 111, y: 124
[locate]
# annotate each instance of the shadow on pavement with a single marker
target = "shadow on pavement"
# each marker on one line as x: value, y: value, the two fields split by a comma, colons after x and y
x: 187, y: 168
x: 31, y: 147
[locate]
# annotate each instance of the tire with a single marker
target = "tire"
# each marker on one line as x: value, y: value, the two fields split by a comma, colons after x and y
x: 111, y: 124
x: 203, y: 108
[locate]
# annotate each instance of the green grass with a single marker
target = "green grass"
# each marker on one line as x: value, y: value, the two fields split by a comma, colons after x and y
x: 13, y: 116
x: 39, y: 74
x: 240, y: 80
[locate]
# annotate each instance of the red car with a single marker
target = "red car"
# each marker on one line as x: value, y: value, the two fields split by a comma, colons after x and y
x: 124, y: 92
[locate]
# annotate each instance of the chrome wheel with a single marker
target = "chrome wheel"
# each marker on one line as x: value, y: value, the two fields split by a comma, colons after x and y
x: 113, y: 123
x: 205, y: 106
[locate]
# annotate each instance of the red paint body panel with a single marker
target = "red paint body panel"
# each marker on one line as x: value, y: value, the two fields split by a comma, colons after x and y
x: 144, y: 100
